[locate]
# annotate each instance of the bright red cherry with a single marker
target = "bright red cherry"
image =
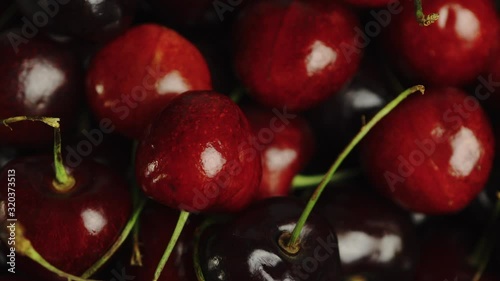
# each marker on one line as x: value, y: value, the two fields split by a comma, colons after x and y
x: 452, y: 51
x: 37, y: 78
x: 286, y: 146
x: 433, y: 153
x: 196, y: 155
x: 135, y: 76
x: 81, y: 223
x: 296, y: 53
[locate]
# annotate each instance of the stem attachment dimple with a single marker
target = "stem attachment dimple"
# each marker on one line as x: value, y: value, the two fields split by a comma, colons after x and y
x: 183, y: 217
x: 423, y: 19
x: 63, y: 181
x: 293, y: 241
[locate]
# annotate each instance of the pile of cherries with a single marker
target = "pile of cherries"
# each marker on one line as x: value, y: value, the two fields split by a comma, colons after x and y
x: 206, y: 140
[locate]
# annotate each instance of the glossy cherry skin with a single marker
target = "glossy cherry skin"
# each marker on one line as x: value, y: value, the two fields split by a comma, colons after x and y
x: 451, y: 52
x: 197, y: 155
x: 136, y: 75
x: 295, y: 53
x: 376, y: 238
x: 433, y: 153
x: 84, y: 19
x: 286, y: 146
x: 62, y: 225
x: 153, y: 239
x: 38, y: 78
x: 255, y: 253
x: 337, y: 120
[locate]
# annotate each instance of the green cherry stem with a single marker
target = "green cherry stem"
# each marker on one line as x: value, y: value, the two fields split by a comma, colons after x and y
x: 183, y: 217
x: 63, y: 181
x: 305, y: 181
x: 481, y: 255
x: 123, y: 236
x: 423, y: 19
x: 291, y: 246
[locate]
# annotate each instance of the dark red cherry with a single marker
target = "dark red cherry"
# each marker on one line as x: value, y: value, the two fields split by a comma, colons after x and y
x: 452, y: 51
x: 71, y: 230
x: 197, y: 156
x: 86, y: 19
x: 373, y: 3
x: 136, y: 75
x: 433, y: 153
x: 295, y: 53
x: 247, y: 248
x: 153, y: 243
x: 37, y: 78
x: 376, y: 238
x: 337, y: 120
x: 286, y: 144
x: 444, y: 256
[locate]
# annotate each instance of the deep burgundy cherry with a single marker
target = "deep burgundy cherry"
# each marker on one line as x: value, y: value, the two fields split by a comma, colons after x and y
x: 337, y: 120
x: 444, y: 255
x: 71, y: 230
x: 295, y: 53
x: 247, y: 248
x: 37, y: 78
x: 451, y: 52
x: 153, y: 243
x: 433, y: 153
x: 197, y: 155
x: 376, y: 238
x: 136, y: 75
x: 87, y: 19
x: 286, y: 146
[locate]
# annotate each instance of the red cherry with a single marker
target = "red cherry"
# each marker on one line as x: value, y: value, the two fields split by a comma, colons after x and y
x: 286, y: 147
x: 37, y: 78
x: 296, y: 53
x: 371, y: 3
x: 450, y: 52
x: 135, y: 76
x: 433, y: 153
x: 152, y: 240
x: 196, y: 155
x: 70, y: 230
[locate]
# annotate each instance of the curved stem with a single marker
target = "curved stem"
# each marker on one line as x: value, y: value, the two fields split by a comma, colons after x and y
x: 293, y: 241
x: 196, y: 252
x: 8, y: 14
x: 423, y: 19
x: 304, y: 181
x: 183, y: 217
x: 123, y: 236
x: 63, y: 181
x: 482, y: 252
x: 136, y: 258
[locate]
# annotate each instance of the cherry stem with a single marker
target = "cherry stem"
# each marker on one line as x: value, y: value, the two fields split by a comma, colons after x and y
x: 8, y: 14
x: 63, y: 181
x: 237, y: 94
x: 196, y: 243
x: 293, y: 241
x: 482, y: 252
x: 423, y: 19
x: 136, y: 258
x: 305, y: 181
x: 123, y: 236
x: 183, y: 217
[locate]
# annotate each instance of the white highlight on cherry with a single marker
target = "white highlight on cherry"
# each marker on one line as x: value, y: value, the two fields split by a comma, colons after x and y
x: 319, y: 58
